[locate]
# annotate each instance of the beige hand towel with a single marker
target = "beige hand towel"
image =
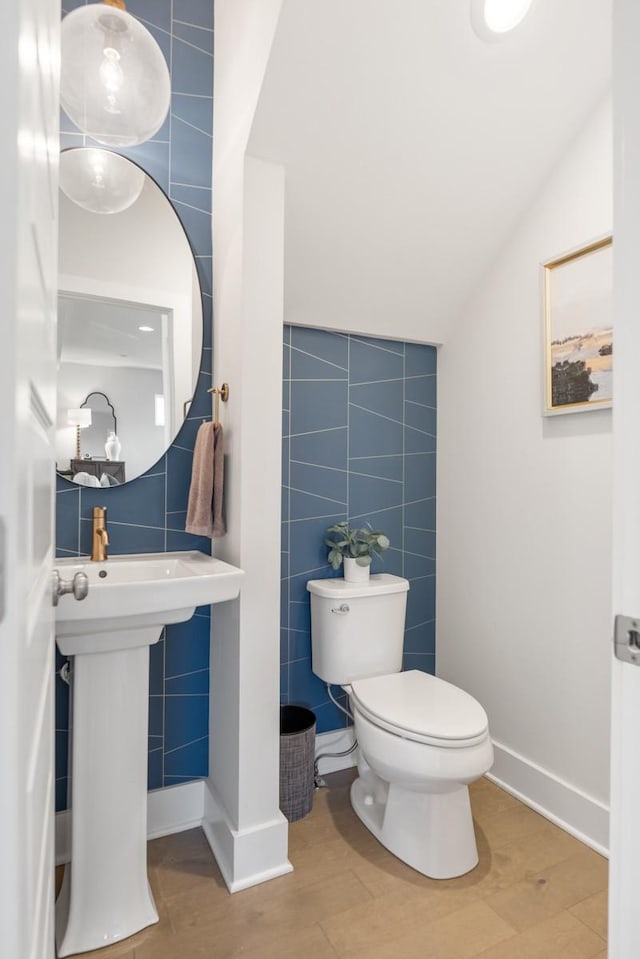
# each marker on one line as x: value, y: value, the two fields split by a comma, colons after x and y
x: 205, y: 516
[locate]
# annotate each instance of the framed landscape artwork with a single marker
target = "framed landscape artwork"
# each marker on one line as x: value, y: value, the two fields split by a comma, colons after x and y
x: 579, y: 329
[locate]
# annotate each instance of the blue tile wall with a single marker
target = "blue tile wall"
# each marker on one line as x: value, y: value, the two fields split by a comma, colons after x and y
x: 148, y: 514
x: 359, y: 443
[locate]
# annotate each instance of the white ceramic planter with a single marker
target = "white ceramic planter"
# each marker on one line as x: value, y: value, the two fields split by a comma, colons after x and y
x: 354, y: 573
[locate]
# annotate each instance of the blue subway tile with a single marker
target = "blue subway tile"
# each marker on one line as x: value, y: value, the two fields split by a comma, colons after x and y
x: 191, y: 70
x: 62, y: 785
x: 284, y: 645
x: 421, y: 640
x: 193, y: 684
x: 154, y: 769
x: 305, y: 367
x: 421, y: 514
x: 421, y: 542
x: 156, y: 715
x: 321, y: 481
x: 419, y: 476
x: 194, y: 196
x: 300, y: 615
x: 386, y: 398
x: 373, y: 435
x: 197, y: 12
x: 178, y: 541
x: 372, y: 361
x: 202, y: 40
x: 416, y: 441
x: 186, y: 721
x: 197, y: 111
x: 422, y: 390
x: 305, y: 688
x: 326, y: 448
x: 420, y: 417
x: 332, y: 348
x: 420, y: 359
x: 369, y: 493
x: 329, y: 717
x: 156, y: 669
x: 318, y: 406
x: 140, y: 503
x: 123, y: 539
x: 299, y: 644
x: 67, y: 519
x: 187, y: 647
x: 418, y: 566
x: 191, y: 157
x: 157, y: 12
x: 384, y: 467
x: 179, y: 464
x: 306, y: 506
x: 284, y: 683
x: 421, y: 601
x: 425, y: 662
x: 204, y: 265
x: 197, y: 225
x: 307, y: 548
x: 189, y: 762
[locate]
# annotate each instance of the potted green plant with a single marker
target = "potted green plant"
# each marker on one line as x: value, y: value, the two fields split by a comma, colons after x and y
x: 354, y: 549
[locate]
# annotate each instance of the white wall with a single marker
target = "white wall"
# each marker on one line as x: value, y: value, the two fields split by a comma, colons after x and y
x: 524, y: 515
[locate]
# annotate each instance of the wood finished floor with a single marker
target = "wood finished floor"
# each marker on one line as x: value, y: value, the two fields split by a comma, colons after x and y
x: 537, y: 893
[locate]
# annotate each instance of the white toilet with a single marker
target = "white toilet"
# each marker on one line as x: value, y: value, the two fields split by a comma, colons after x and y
x: 421, y: 740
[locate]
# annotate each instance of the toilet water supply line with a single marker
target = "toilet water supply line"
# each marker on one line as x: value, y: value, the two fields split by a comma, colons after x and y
x: 318, y: 781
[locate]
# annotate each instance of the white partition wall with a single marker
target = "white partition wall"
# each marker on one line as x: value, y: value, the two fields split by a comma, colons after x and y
x: 242, y: 819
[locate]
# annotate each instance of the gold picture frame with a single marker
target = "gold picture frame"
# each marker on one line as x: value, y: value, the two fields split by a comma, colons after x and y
x: 578, y: 329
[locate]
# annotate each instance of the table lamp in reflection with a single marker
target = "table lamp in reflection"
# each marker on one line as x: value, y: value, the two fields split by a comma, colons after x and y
x: 80, y: 418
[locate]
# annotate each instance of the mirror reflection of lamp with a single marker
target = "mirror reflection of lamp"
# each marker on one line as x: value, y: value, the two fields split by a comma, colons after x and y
x: 100, y: 181
x: 80, y: 418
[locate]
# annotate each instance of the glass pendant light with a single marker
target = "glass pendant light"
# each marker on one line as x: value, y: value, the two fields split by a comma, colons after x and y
x: 100, y: 181
x: 114, y: 82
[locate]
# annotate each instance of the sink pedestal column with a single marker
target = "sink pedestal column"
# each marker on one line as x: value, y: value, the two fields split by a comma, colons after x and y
x: 105, y: 895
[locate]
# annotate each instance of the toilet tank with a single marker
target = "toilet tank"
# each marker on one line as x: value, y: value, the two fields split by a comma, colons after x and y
x: 357, y: 629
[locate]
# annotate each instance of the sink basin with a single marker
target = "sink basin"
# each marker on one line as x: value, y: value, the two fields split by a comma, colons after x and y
x: 132, y: 592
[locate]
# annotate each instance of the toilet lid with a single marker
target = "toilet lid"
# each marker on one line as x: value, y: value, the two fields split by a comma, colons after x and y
x: 417, y: 705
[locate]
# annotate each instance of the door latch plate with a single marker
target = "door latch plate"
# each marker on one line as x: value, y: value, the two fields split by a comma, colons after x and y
x: 627, y: 639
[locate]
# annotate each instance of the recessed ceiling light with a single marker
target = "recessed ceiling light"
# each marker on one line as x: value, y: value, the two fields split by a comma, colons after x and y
x: 494, y: 18
x: 146, y: 329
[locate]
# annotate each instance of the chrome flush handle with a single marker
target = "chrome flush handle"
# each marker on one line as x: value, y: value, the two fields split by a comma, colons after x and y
x: 79, y: 586
x: 341, y: 610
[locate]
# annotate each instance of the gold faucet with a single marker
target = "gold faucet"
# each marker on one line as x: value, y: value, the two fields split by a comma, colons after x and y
x: 100, y: 539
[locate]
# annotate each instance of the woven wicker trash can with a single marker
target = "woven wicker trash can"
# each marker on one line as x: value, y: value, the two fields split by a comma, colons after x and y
x: 297, y: 752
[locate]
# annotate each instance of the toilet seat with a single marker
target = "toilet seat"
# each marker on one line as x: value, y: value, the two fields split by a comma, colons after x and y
x: 417, y: 706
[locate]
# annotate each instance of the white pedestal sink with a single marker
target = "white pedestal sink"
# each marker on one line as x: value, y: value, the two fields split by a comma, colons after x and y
x: 105, y: 895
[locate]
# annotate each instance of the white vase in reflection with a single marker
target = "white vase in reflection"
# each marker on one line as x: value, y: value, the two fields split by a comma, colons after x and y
x: 112, y: 446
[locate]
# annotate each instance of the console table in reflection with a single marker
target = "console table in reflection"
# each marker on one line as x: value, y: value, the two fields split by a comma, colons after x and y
x: 94, y: 467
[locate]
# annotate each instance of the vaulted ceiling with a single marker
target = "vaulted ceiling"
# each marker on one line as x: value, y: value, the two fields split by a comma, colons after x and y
x: 412, y: 147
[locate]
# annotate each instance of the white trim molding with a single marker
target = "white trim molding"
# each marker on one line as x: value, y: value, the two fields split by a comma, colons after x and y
x: 248, y: 856
x: 577, y: 813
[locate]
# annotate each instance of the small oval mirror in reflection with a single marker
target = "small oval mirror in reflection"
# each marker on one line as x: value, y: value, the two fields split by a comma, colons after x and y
x: 129, y: 329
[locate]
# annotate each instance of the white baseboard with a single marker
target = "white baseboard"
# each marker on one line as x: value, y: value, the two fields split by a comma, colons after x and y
x: 169, y: 810
x: 337, y: 741
x: 577, y: 813
x: 245, y: 857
